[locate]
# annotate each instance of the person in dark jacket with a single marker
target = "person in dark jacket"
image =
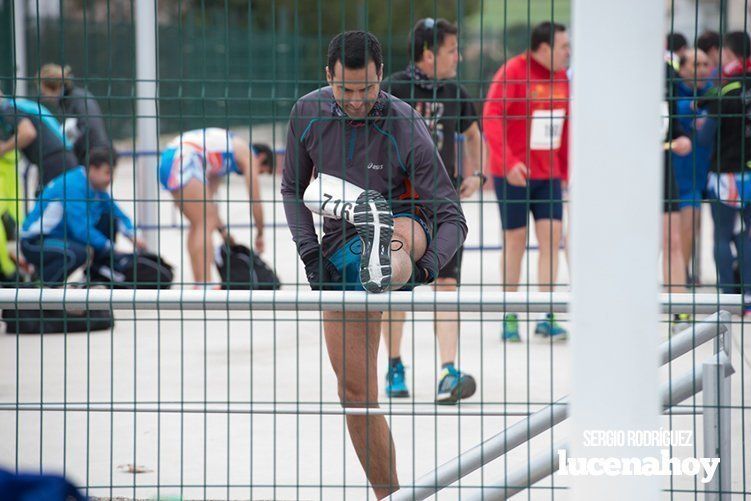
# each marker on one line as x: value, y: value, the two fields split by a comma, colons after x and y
x: 429, y: 85
x: 729, y: 109
x: 83, y: 122
x: 371, y: 146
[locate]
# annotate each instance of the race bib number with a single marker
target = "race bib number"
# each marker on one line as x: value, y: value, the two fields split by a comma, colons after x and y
x: 332, y: 197
x: 546, y: 129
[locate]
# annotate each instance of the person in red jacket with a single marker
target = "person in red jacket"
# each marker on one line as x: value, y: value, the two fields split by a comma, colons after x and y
x: 525, y: 120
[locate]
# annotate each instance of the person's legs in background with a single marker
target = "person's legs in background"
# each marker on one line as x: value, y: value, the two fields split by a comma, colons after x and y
x: 673, y: 261
x: 673, y: 264
x: 199, y: 209
x: 743, y: 247
x: 724, y: 218
x: 690, y: 180
x: 53, y: 259
x: 453, y: 385
x: 547, y: 208
x: 513, y: 202
x: 690, y: 216
x: 392, y: 328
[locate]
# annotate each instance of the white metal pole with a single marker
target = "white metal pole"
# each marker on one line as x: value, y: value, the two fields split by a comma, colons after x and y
x: 19, y: 34
x: 307, y: 300
x: 615, y: 219
x: 147, y: 187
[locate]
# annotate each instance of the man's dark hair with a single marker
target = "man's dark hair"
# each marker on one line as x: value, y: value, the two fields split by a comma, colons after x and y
x: 544, y: 33
x: 675, y: 41
x: 99, y: 156
x: 738, y: 43
x: 267, y: 154
x: 354, y: 49
x: 708, y: 40
x: 429, y: 34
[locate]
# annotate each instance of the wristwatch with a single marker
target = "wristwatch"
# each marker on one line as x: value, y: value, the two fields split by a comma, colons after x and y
x: 482, y: 176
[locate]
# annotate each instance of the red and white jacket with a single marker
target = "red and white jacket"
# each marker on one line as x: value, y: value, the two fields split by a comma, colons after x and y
x: 525, y: 119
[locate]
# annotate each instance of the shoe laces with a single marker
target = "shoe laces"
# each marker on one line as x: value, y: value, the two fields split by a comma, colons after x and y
x: 396, y: 371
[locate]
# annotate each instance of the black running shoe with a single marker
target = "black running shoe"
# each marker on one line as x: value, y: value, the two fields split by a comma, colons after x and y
x: 375, y: 225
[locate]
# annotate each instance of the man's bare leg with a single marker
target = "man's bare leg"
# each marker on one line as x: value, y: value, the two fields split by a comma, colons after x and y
x: 354, y: 360
x: 673, y: 265
x: 453, y: 385
x: 393, y: 330
x: 549, y: 238
x: 690, y: 226
x: 548, y: 233
x: 447, y: 324
x: 514, y: 246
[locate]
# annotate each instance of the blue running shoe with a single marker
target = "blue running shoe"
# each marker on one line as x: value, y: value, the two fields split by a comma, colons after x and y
x: 550, y: 328
x: 396, y: 384
x: 454, y: 386
x: 510, y: 332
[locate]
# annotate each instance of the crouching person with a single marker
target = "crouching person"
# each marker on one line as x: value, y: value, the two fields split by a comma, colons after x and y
x: 74, y: 217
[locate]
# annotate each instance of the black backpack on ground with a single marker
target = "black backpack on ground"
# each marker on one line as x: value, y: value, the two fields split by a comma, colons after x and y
x: 141, y: 270
x: 242, y: 269
x: 56, y: 321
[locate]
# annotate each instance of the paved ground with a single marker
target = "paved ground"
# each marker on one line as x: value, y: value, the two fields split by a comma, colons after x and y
x: 250, y: 399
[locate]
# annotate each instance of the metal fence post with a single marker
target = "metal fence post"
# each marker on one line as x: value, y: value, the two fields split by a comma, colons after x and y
x: 716, y: 387
x: 147, y: 187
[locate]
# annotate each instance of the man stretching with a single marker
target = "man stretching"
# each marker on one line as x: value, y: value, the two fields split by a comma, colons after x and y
x: 403, y: 227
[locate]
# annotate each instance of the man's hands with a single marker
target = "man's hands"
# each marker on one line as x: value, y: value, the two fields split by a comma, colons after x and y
x: 469, y: 186
x: 424, y: 271
x: 321, y: 274
x: 681, y: 146
x: 517, y: 175
x: 139, y: 244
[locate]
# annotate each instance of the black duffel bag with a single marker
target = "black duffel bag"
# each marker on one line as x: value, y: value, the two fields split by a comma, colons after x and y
x: 56, y: 321
x: 242, y: 269
x: 140, y: 270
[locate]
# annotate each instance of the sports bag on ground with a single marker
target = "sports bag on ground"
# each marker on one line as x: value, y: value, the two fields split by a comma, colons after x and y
x: 242, y: 269
x: 56, y: 321
x: 140, y: 270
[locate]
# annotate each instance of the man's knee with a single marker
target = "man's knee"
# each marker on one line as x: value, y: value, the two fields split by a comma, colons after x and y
x: 358, y: 393
x: 409, y: 237
x: 515, y: 237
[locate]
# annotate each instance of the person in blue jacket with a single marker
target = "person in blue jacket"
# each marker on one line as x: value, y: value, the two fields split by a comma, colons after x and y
x: 691, y: 170
x: 73, y: 214
x: 32, y: 129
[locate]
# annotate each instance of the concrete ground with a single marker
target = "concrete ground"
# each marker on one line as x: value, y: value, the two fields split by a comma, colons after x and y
x: 244, y: 406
